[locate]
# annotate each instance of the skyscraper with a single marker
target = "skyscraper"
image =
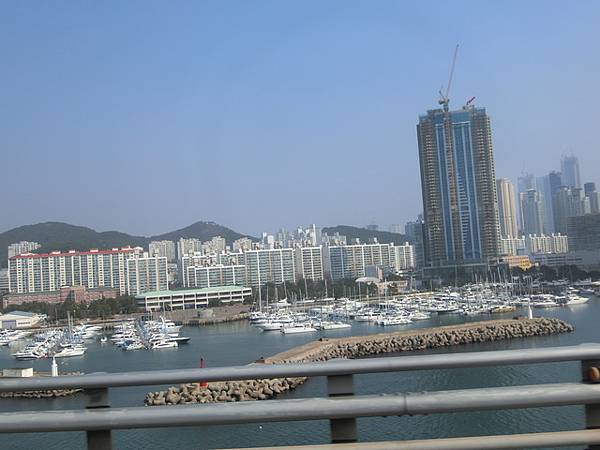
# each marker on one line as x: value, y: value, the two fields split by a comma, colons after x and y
x: 525, y: 182
x: 544, y: 188
x: 569, y: 166
x: 507, y: 208
x: 593, y: 197
x: 532, y: 212
x: 570, y: 202
x: 458, y: 187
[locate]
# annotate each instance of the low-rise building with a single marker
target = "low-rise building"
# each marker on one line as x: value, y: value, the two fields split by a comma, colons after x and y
x: 583, y: 259
x: 76, y: 294
x: 552, y: 243
x: 192, y: 298
x: 584, y: 232
x: 520, y: 261
x: 512, y: 246
x: 20, y: 319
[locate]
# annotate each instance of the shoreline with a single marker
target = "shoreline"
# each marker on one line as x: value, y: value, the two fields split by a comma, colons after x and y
x: 357, y: 347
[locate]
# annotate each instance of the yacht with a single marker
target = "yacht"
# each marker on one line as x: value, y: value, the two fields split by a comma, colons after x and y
x: 30, y: 352
x: 333, y: 325
x: 164, y: 344
x: 419, y: 315
x: 137, y: 345
x: 395, y: 320
x: 69, y: 351
x: 576, y: 300
x: 543, y: 301
x: 270, y: 326
x: 298, y: 328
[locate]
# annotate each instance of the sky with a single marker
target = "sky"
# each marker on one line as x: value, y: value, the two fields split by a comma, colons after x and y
x: 146, y: 116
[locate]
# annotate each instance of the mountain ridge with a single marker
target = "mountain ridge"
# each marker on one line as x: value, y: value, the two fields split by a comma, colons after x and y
x: 351, y: 232
x: 65, y: 236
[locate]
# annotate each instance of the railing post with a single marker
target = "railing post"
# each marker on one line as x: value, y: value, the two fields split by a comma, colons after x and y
x: 98, y: 439
x: 591, y: 374
x: 342, y: 430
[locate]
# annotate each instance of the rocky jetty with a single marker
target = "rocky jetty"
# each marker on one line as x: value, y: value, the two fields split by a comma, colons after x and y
x: 356, y: 347
x: 50, y: 393
x: 54, y: 393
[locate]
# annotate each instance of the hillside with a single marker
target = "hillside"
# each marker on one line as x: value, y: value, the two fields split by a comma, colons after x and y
x: 64, y: 236
x: 383, y: 237
x: 201, y: 230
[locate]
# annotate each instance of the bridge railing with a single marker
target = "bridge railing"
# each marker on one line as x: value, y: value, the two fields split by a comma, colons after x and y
x: 341, y: 408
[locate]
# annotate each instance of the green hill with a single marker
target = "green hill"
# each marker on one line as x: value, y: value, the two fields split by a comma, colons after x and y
x: 64, y: 236
x: 383, y: 237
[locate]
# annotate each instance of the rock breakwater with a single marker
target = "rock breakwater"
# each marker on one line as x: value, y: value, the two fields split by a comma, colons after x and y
x: 49, y: 393
x: 356, y: 347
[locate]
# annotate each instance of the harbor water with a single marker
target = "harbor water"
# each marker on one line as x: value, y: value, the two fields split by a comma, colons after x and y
x: 239, y: 343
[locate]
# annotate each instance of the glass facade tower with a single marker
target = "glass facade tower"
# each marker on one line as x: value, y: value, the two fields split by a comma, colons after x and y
x: 458, y: 186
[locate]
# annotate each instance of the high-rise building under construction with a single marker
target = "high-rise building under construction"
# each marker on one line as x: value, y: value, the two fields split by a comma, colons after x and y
x: 458, y: 184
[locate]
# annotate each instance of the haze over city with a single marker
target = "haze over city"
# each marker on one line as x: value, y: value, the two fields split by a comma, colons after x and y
x: 143, y: 118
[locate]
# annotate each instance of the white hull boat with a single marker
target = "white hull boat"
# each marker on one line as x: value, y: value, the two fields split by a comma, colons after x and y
x: 164, y: 344
x: 296, y: 329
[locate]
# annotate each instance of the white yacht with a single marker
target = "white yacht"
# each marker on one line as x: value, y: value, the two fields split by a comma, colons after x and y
x: 333, y: 325
x: 30, y: 353
x: 270, y: 326
x: 395, y: 320
x: 69, y: 351
x: 576, y: 300
x: 137, y: 345
x: 164, y: 344
x: 298, y: 328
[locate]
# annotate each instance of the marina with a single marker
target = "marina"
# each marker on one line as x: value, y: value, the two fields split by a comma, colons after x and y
x: 240, y: 342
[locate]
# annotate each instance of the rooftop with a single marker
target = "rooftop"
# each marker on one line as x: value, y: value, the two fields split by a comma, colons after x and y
x: 211, y: 290
x: 20, y: 313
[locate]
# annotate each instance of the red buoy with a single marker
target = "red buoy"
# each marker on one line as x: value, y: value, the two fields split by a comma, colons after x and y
x: 202, y: 383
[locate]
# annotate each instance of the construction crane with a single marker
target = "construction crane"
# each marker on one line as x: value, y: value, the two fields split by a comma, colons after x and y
x: 444, y: 99
x: 469, y: 102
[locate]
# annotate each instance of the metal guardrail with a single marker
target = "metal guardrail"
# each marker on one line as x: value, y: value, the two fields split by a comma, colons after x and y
x: 341, y: 408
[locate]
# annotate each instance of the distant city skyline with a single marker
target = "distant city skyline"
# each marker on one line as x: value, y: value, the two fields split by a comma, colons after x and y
x: 265, y: 115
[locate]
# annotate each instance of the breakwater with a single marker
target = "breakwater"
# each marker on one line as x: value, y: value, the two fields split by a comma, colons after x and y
x: 356, y: 347
x: 50, y: 393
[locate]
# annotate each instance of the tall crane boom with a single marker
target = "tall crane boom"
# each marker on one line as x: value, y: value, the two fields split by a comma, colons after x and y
x: 444, y: 99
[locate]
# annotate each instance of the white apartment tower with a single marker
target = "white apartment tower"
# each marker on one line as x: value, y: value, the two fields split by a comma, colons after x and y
x: 350, y: 261
x: 162, y: 249
x: 146, y: 273
x: 269, y: 266
x: 309, y: 263
x: 30, y: 272
x: 22, y: 247
x: 404, y: 257
x: 507, y: 208
x: 188, y: 246
x: 215, y: 276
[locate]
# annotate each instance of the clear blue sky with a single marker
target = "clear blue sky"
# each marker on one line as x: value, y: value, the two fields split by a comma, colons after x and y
x: 147, y: 116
